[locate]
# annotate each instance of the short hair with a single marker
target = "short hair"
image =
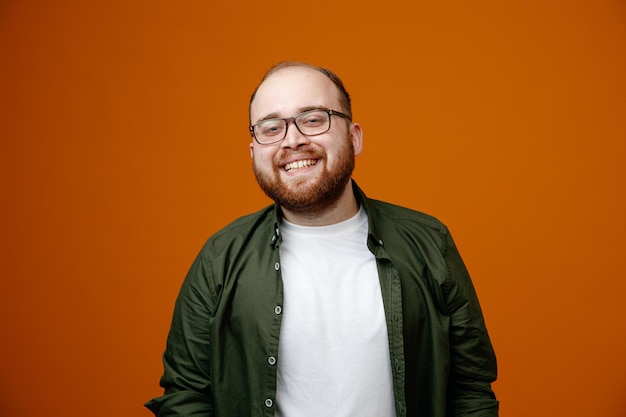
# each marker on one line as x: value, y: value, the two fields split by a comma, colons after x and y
x: 344, y: 97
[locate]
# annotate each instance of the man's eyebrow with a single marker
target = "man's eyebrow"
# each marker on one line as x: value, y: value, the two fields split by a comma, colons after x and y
x: 300, y: 110
x: 269, y: 116
x: 309, y: 108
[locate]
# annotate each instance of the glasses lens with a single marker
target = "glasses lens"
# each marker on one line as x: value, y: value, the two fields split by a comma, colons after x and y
x: 313, y: 122
x: 269, y: 131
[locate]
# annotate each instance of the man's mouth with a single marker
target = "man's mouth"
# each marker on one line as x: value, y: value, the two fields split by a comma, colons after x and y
x: 292, y: 166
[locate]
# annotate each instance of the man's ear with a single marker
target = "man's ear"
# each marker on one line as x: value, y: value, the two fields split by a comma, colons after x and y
x: 356, y: 136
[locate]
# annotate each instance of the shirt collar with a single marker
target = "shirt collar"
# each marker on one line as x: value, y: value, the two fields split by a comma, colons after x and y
x: 374, y: 239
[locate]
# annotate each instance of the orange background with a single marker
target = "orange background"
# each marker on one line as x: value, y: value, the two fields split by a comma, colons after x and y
x: 125, y: 145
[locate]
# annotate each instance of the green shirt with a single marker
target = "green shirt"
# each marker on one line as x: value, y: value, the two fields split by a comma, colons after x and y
x: 222, y: 349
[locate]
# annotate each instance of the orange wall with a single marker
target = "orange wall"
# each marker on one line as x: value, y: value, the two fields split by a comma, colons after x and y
x: 124, y: 146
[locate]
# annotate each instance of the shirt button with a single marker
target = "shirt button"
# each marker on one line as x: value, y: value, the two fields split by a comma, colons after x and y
x: 278, y: 309
x: 277, y: 266
x: 271, y: 360
x: 269, y: 402
x: 380, y: 242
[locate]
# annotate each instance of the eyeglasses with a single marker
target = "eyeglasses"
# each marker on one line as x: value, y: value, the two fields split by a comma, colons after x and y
x: 309, y: 123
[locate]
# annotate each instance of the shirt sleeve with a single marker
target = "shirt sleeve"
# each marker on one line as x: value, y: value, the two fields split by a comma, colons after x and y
x: 473, y: 361
x: 186, y: 379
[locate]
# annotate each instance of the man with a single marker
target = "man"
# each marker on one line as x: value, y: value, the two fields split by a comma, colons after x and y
x: 327, y: 303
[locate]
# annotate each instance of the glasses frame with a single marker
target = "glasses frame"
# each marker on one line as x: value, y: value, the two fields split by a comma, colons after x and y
x: 289, y: 120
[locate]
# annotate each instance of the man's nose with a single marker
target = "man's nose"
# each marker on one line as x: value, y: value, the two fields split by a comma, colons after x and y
x: 294, y: 138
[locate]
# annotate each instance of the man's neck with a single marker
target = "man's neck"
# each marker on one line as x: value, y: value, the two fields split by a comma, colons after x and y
x: 343, y: 209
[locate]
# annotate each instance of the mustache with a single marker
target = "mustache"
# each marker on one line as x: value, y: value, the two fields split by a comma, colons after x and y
x: 308, y: 151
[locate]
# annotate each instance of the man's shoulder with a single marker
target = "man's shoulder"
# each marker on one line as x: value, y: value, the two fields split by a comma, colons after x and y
x: 255, y: 229
x: 400, y: 215
x: 244, y: 225
x: 385, y: 215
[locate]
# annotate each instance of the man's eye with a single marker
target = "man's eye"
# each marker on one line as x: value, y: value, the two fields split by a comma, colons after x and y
x: 271, y: 129
x: 312, y: 120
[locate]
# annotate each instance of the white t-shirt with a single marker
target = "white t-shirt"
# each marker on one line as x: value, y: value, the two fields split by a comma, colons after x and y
x: 333, y: 356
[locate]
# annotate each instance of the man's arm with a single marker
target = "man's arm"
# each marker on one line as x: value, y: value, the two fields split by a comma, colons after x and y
x: 186, y: 377
x: 473, y: 361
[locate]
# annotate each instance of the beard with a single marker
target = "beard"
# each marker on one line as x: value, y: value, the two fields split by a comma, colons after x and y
x: 306, y: 195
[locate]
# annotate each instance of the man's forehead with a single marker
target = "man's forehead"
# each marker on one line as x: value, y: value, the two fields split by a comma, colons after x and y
x: 291, y: 88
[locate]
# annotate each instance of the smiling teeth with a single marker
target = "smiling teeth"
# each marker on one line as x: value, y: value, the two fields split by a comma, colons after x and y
x: 300, y: 164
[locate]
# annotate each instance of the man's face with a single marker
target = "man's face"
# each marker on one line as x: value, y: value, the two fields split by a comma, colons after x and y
x: 304, y: 174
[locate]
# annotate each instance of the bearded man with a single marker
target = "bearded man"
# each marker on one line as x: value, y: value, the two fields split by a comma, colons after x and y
x: 326, y: 303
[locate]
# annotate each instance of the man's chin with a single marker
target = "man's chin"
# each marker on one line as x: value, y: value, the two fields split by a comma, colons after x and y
x: 300, y: 183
